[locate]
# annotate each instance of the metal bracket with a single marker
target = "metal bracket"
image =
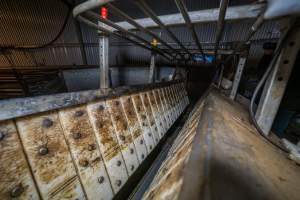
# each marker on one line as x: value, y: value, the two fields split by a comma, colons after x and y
x: 238, y: 76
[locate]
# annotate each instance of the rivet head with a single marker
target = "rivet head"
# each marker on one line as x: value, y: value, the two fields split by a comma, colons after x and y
x: 76, y: 135
x: 117, y: 103
x: 78, y: 113
x: 129, y: 112
x: 132, y: 167
x: 119, y: 163
x: 131, y: 151
x: 91, y: 147
x: 119, y: 182
x: 149, y: 134
x: 16, y: 191
x: 101, y: 108
x: 100, y: 179
x: 150, y: 147
x: 83, y: 163
x: 47, y: 123
x: 143, y: 156
x: 2, y: 135
x: 142, y: 142
x: 122, y: 137
x: 43, y: 150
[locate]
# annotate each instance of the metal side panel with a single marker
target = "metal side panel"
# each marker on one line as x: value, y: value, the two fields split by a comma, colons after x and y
x: 85, y: 151
x: 169, y: 106
x: 49, y: 156
x: 173, y: 101
x: 108, y: 142
x: 157, y: 118
x: 144, y: 123
x: 165, y: 106
x: 150, y: 117
x: 16, y: 181
x: 179, y: 95
x: 123, y: 134
x: 176, y: 94
x: 134, y: 128
x: 160, y: 106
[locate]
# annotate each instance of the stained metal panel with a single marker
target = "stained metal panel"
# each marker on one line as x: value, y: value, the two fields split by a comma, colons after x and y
x: 85, y: 151
x: 108, y: 142
x: 162, y: 114
x: 156, y: 115
x: 165, y: 107
x: 123, y: 134
x: 150, y: 117
x: 15, y: 180
x: 134, y: 128
x: 49, y: 157
x: 144, y: 123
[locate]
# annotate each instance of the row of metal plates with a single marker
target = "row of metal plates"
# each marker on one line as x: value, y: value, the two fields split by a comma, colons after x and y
x: 88, y: 151
x: 168, y: 181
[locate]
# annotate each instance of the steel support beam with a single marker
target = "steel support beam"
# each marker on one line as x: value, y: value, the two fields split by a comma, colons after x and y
x: 238, y: 76
x: 103, y: 59
x: 276, y: 83
x: 152, y: 68
x: 200, y: 16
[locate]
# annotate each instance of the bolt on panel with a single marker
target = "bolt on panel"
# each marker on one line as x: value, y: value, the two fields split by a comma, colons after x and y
x: 15, y: 180
x: 134, y: 128
x: 49, y: 156
x: 144, y: 123
x: 123, y: 135
x: 85, y: 151
x: 150, y: 117
x: 108, y: 142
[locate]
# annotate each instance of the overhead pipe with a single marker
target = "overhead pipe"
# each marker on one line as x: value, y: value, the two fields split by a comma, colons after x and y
x: 220, y: 25
x: 183, y: 10
x: 148, y: 11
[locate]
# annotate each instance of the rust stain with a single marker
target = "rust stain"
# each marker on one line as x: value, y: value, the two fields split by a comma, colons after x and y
x: 119, y: 118
x: 106, y: 132
x: 141, y: 110
x: 14, y: 169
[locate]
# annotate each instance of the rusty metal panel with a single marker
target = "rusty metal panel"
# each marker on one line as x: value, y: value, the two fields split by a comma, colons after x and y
x: 144, y: 123
x: 49, y: 157
x: 123, y: 135
x: 177, y: 97
x: 134, y: 127
x: 108, y: 142
x: 156, y: 114
x: 160, y: 107
x: 173, y: 103
x: 16, y: 181
x: 150, y: 117
x: 168, y: 105
x: 165, y: 107
x: 85, y: 151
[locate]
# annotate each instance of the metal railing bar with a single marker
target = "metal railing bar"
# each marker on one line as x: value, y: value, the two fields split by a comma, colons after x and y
x: 124, y: 31
x: 150, y: 13
x: 131, y: 21
x: 183, y: 10
x: 220, y: 25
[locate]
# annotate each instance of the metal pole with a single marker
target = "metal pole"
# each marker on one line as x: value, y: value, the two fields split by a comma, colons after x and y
x: 238, y: 76
x: 276, y: 83
x: 182, y: 8
x: 220, y: 24
x: 103, y: 59
x: 152, y: 68
x: 148, y: 11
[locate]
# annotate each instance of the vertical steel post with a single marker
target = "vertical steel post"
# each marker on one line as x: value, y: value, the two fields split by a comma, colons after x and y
x: 238, y: 76
x: 152, y: 68
x: 276, y: 83
x: 103, y: 62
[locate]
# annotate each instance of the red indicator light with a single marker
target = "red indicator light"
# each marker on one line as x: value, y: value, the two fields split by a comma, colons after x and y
x: 104, y: 12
